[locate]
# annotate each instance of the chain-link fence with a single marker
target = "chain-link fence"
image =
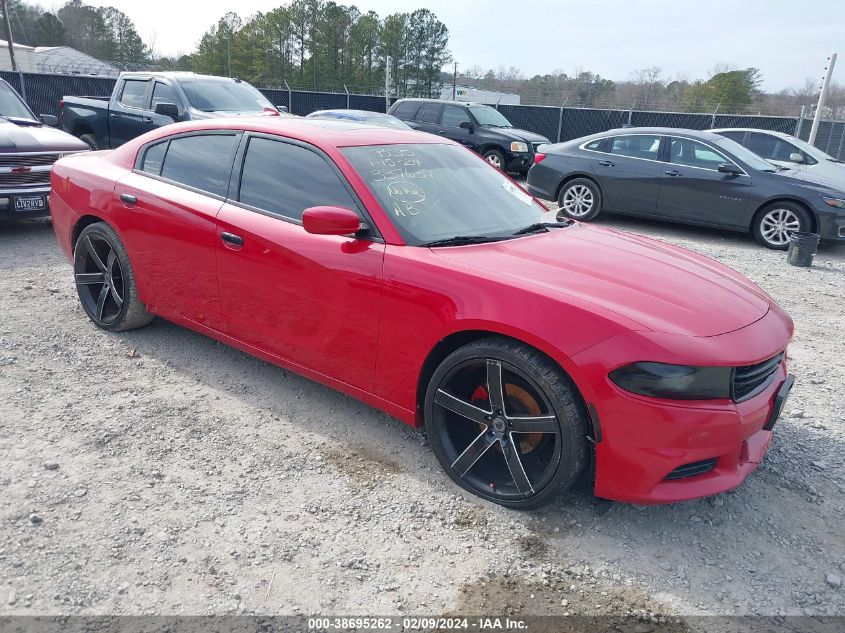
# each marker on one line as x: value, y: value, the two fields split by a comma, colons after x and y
x: 43, y: 92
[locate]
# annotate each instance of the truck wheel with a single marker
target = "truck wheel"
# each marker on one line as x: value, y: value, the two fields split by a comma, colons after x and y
x: 495, y: 158
x: 90, y: 140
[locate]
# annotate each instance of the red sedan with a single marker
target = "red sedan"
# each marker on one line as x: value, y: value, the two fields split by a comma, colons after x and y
x: 401, y: 269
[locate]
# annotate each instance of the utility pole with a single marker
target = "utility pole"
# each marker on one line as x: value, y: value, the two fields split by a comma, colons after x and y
x: 455, y: 82
x: 387, y: 64
x: 8, y: 26
x: 831, y: 62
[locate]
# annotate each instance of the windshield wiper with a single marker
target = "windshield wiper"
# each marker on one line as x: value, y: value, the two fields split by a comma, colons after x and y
x: 461, y: 240
x: 534, y: 228
x: 20, y: 120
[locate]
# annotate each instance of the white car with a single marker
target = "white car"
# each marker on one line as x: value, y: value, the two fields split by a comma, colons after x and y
x: 788, y: 151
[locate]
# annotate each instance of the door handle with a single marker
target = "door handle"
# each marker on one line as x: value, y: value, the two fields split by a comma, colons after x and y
x: 672, y: 172
x: 605, y: 163
x: 231, y: 238
x: 128, y: 199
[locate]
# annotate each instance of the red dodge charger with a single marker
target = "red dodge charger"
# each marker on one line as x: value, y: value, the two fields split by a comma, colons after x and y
x: 401, y: 269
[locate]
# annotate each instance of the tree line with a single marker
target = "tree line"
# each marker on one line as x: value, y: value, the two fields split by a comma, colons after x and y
x: 319, y: 44
x: 727, y: 90
x: 102, y: 32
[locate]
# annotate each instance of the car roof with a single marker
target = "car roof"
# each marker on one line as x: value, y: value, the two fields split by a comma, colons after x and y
x: 319, y: 132
x: 344, y: 111
x: 752, y: 129
x: 706, y: 135
x: 424, y: 100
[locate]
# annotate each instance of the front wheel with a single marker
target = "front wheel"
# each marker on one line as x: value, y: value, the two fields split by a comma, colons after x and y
x: 105, y: 281
x: 775, y: 225
x: 505, y: 423
x: 579, y: 199
x: 495, y: 158
x: 91, y: 141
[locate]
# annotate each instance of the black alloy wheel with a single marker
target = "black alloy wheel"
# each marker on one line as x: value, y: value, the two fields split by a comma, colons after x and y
x: 504, y: 424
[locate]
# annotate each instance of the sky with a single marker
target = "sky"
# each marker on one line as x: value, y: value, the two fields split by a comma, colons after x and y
x: 788, y: 42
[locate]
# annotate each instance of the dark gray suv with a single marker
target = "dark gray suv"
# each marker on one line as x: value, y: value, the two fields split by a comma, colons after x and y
x: 686, y: 176
x: 483, y: 129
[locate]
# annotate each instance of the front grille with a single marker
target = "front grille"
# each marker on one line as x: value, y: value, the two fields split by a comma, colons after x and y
x: 21, y: 180
x: 27, y: 160
x: 750, y: 380
x: 694, y: 468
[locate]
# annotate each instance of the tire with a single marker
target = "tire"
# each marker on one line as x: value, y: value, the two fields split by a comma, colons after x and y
x: 474, y: 438
x: 105, y: 281
x: 90, y: 140
x: 579, y: 199
x: 775, y: 223
x: 496, y: 158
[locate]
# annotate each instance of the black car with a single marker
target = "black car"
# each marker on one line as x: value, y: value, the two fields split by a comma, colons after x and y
x: 29, y: 146
x: 687, y: 176
x: 481, y: 128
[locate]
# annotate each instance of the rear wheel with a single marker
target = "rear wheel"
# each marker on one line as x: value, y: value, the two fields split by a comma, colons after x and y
x: 579, y: 199
x: 505, y: 423
x: 775, y: 225
x: 105, y: 281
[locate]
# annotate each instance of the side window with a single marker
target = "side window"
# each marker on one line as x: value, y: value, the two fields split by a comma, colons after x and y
x: 636, y: 146
x: 683, y: 151
x: 285, y: 179
x: 132, y: 94
x: 737, y: 136
x: 153, y: 158
x: 429, y: 112
x: 453, y: 116
x: 200, y: 161
x: 162, y: 93
x: 764, y: 145
x: 407, y: 110
x: 596, y: 145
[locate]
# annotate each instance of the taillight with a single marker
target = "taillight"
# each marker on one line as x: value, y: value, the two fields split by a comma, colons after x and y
x: 539, y: 158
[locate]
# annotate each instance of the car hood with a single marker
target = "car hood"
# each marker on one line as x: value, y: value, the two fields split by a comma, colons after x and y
x: 516, y: 134
x: 36, y: 138
x: 661, y: 287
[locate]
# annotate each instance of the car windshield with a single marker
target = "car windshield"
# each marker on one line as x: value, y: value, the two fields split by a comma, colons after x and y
x: 745, y: 155
x: 215, y: 95
x: 815, y: 152
x: 436, y: 192
x: 485, y: 115
x: 11, y: 105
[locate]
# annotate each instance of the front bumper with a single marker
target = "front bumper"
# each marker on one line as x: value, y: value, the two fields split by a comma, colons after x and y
x: 7, y: 204
x: 519, y: 161
x: 831, y: 225
x: 643, y: 440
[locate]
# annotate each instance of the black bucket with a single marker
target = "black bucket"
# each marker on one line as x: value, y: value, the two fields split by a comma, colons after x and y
x: 802, y: 249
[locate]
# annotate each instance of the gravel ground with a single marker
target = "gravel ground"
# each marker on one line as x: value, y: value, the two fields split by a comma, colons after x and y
x: 158, y: 471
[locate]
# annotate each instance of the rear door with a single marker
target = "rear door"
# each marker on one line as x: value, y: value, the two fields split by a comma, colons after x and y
x: 129, y: 114
x: 167, y: 213
x: 427, y: 118
x: 694, y: 190
x: 628, y: 170
x: 313, y: 300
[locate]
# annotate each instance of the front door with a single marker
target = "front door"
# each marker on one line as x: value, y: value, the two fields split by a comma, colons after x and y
x: 693, y: 188
x: 450, y: 126
x: 313, y: 300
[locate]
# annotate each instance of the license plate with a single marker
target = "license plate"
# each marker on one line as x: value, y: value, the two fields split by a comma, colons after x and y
x: 30, y: 203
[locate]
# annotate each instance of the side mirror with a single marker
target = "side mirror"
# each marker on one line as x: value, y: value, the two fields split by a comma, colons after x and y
x: 330, y: 221
x: 727, y: 168
x: 467, y: 125
x: 794, y: 157
x: 49, y: 119
x: 167, y: 109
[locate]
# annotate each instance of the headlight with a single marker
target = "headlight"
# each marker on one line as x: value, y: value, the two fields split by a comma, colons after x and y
x: 678, y: 382
x: 516, y: 146
x: 839, y: 203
